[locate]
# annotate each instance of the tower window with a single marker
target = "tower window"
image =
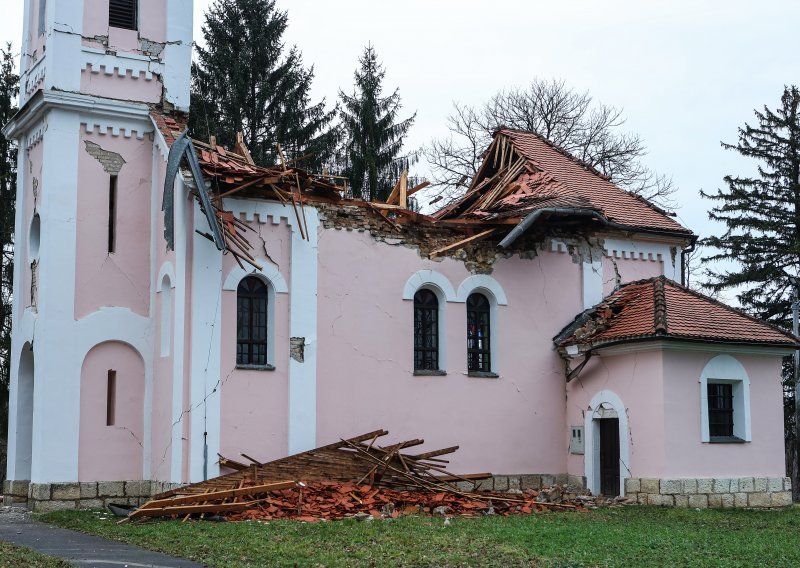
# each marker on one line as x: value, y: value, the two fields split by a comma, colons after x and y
x: 426, y: 331
x: 251, y: 322
x: 479, y: 355
x: 123, y: 14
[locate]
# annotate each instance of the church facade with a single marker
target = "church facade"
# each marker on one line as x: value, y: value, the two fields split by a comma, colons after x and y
x: 539, y: 322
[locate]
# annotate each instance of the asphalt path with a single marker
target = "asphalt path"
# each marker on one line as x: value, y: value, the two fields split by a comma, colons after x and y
x: 17, y: 527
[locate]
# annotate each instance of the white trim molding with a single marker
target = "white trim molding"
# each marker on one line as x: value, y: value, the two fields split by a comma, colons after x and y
x: 269, y: 273
x: 481, y: 283
x: 601, y: 403
x: 728, y: 370
x: 430, y: 279
x: 166, y: 270
x: 592, y: 280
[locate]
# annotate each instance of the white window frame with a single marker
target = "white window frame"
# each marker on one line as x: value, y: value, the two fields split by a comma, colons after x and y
x: 725, y: 369
x: 276, y: 284
x: 439, y: 284
x: 491, y: 288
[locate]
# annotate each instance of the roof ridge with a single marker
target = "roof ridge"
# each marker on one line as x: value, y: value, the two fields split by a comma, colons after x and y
x: 738, y: 311
x: 659, y: 306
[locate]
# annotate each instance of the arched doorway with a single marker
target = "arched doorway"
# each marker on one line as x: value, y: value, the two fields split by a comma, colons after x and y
x: 607, y: 454
x: 24, y: 421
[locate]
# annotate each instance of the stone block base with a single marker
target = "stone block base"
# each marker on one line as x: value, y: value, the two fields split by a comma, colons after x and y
x: 45, y: 497
x: 15, y: 492
x: 718, y: 492
x: 523, y: 482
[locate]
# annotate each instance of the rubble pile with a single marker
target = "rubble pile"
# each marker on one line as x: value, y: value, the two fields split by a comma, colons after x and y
x: 353, y: 478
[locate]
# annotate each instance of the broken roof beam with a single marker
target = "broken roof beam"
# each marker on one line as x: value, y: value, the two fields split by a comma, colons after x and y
x: 474, y: 238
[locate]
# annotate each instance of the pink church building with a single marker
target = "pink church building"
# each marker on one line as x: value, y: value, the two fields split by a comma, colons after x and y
x: 539, y: 322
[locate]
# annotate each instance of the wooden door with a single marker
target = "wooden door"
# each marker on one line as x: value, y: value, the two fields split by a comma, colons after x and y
x: 609, y: 456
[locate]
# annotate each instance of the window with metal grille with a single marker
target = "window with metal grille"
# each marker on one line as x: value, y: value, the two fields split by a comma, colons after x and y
x: 251, y: 322
x: 479, y: 354
x: 426, y: 331
x: 720, y: 410
x: 123, y: 14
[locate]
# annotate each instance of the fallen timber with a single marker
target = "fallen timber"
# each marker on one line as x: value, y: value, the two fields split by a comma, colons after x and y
x: 348, y: 477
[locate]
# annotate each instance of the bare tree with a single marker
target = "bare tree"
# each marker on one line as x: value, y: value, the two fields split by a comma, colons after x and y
x: 571, y: 119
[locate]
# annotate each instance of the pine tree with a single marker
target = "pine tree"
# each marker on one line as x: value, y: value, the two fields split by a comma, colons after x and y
x: 9, y: 89
x: 246, y: 80
x: 762, y: 214
x: 374, y: 141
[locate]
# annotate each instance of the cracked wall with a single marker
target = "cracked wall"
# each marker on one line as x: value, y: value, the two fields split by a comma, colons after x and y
x: 121, y: 278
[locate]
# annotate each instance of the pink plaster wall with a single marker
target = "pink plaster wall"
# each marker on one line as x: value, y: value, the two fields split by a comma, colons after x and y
x: 121, y: 278
x: 629, y: 270
x: 152, y: 24
x: 636, y: 378
x: 111, y: 453
x: 161, y: 415
x: 37, y: 41
x: 254, y: 404
x: 687, y: 455
x: 121, y: 87
x: 513, y: 424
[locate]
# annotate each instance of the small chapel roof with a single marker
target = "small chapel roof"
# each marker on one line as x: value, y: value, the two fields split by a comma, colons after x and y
x: 659, y: 308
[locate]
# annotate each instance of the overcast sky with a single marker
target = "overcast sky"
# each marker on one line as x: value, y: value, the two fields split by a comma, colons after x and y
x: 686, y: 72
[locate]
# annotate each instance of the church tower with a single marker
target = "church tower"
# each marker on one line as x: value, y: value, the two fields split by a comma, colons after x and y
x: 85, y: 292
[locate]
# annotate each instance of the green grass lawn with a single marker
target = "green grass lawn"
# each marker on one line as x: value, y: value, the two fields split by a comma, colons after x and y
x: 632, y: 536
x: 15, y: 556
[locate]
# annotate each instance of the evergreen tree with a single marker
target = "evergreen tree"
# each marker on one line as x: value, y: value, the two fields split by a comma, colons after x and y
x: 374, y: 140
x: 762, y: 214
x: 9, y: 89
x: 246, y: 80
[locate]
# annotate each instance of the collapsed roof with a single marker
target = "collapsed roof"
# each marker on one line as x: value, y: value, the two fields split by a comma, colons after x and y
x: 523, y: 173
x: 524, y: 181
x: 660, y: 309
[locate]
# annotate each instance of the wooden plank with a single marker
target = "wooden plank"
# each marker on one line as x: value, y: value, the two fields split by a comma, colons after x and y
x: 230, y: 464
x: 435, y: 453
x: 218, y: 495
x: 416, y: 188
x: 462, y: 242
x: 403, y: 190
x: 193, y: 509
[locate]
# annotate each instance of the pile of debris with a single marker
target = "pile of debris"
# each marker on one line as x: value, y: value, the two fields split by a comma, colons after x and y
x: 346, y: 479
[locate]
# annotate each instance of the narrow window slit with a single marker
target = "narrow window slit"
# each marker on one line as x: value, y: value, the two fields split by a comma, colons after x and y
x: 112, y: 214
x: 111, y: 397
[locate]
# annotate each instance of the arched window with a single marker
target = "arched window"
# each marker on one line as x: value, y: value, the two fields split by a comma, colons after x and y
x: 251, y: 322
x: 479, y: 353
x: 426, y: 331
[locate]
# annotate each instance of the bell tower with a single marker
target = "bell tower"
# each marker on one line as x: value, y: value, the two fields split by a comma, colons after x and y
x: 91, y: 72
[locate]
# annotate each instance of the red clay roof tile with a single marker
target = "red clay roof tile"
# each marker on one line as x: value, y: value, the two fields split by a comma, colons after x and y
x: 659, y: 308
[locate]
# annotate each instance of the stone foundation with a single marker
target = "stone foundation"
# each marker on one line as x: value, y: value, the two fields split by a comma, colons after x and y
x: 703, y: 493
x: 44, y: 497
x: 524, y: 482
